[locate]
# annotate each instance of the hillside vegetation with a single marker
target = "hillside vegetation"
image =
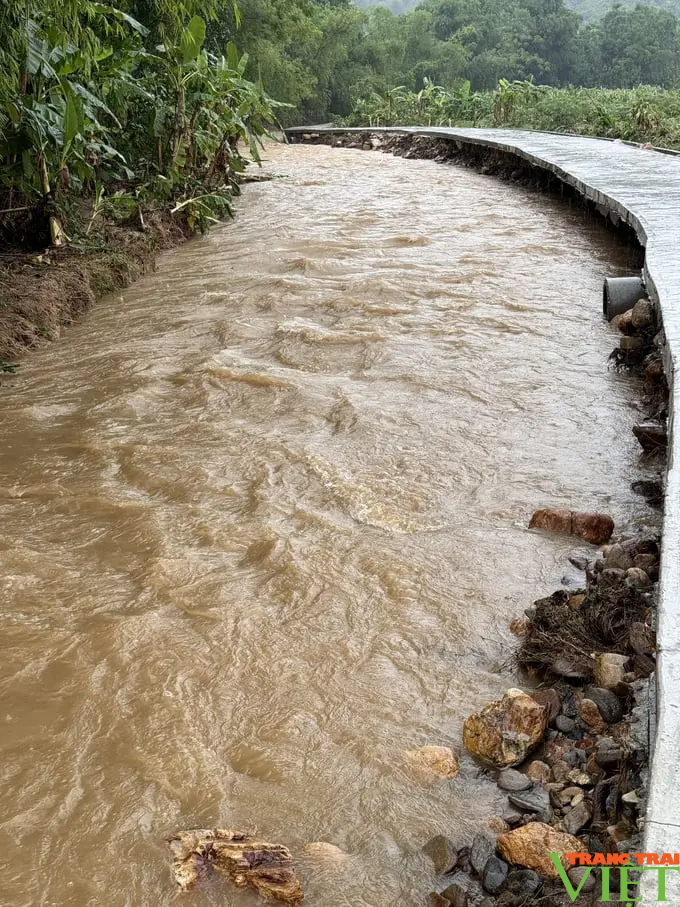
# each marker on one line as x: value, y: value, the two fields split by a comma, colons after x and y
x: 143, y: 105
x: 644, y: 115
x: 589, y: 9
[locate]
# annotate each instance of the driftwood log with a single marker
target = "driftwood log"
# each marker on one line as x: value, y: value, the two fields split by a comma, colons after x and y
x: 238, y: 857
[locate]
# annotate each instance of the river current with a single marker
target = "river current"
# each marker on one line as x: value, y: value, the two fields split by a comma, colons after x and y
x: 263, y: 527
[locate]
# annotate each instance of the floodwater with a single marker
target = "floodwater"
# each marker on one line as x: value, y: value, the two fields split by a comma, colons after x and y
x: 263, y: 527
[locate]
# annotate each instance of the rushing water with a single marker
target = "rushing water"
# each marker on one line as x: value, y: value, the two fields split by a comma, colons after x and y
x: 264, y: 527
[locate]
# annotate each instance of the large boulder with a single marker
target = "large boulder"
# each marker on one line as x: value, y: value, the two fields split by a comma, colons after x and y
x: 506, y: 730
x: 531, y: 845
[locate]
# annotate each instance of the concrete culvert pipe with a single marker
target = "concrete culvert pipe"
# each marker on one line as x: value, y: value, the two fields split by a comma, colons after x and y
x: 620, y: 294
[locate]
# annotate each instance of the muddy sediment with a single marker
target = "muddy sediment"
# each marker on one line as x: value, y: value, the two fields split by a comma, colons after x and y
x: 586, y: 653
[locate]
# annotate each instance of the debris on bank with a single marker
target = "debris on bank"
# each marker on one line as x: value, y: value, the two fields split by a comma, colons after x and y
x: 574, y: 765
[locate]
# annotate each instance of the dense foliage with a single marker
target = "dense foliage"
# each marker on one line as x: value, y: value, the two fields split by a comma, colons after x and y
x: 119, y: 103
x: 645, y: 115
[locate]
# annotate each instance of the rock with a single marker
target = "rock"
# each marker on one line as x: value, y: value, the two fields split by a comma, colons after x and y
x: 497, y: 826
x: 608, y: 704
x: 436, y: 900
x: 590, y: 715
x: 632, y: 343
x: 564, y: 724
x: 649, y: 564
x: 583, y: 779
x: 551, y: 520
x: 574, y: 757
x: 608, y: 754
x: 494, y: 874
x: 642, y: 315
x: 578, y: 816
x: 596, y: 528
x: 442, y: 852
x: 237, y: 856
x: 511, y: 779
x: 523, y: 883
x: 565, y: 796
x: 530, y: 845
x: 624, y: 322
x: 440, y: 760
x: 560, y: 770
x: 609, y: 669
x: 550, y: 700
x: 483, y: 846
x: 637, y: 578
x: 644, y: 665
x: 539, y: 771
x: 536, y: 800
x: 651, y: 435
x: 505, y: 731
x: 513, y: 817
x: 463, y: 891
x: 576, y: 874
x: 618, y: 558
x: 642, y: 639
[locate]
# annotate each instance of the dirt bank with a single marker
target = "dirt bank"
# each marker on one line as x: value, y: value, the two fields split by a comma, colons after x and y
x: 42, y: 292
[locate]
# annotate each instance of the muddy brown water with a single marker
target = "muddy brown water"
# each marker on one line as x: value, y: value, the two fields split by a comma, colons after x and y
x: 263, y: 526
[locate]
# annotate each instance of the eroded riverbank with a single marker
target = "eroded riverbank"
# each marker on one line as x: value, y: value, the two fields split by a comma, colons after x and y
x: 271, y: 529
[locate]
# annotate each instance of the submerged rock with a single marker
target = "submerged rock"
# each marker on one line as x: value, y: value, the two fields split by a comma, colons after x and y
x: 530, y: 846
x: 440, y: 760
x: 237, y: 856
x: 443, y: 853
x: 329, y: 853
x: 506, y: 730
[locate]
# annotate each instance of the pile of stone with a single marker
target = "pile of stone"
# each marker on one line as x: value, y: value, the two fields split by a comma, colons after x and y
x: 565, y: 634
x: 573, y: 776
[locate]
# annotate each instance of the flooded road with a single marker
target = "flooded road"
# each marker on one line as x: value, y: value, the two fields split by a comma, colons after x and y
x: 263, y: 527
